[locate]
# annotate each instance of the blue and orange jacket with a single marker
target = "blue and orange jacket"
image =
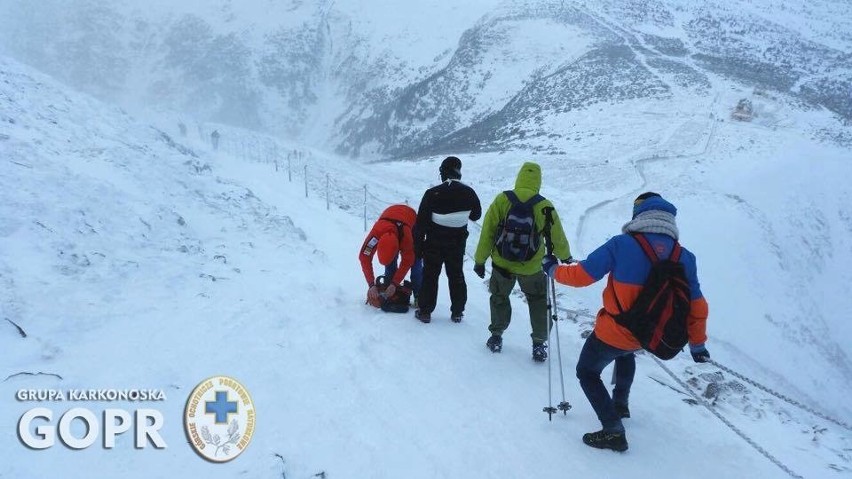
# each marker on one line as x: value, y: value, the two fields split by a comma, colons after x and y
x: 623, y: 259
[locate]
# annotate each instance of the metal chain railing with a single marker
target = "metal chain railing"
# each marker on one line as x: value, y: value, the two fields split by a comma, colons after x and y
x: 337, y: 189
x: 780, y: 396
x: 728, y: 423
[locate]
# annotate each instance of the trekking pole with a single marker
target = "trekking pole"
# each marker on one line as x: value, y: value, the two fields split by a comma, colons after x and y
x: 550, y: 410
x: 563, y: 406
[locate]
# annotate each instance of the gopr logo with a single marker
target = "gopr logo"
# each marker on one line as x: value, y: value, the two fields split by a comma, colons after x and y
x: 219, y: 418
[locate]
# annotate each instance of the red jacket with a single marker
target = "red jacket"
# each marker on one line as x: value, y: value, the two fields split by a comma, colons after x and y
x: 403, y: 215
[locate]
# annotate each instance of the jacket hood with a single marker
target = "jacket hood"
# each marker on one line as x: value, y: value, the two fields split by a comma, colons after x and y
x: 403, y: 213
x: 529, y: 177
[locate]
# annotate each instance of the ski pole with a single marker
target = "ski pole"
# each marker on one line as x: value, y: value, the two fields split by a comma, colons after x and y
x: 553, y: 316
x: 550, y: 410
x: 564, y: 406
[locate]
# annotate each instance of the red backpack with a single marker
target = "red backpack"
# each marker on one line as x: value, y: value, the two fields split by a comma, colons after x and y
x: 658, y: 317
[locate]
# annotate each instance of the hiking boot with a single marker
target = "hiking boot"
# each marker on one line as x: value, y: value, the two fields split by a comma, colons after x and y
x: 456, y: 317
x: 539, y: 352
x: 617, y: 441
x: 622, y: 411
x: 423, y: 316
x: 495, y: 343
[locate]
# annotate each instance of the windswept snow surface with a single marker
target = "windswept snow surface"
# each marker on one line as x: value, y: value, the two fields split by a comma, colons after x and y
x: 133, y: 257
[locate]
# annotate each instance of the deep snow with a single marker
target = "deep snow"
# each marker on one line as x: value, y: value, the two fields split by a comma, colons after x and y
x: 134, y: 257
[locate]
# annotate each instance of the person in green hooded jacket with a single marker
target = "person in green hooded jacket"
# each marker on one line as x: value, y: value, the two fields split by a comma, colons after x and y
x: 528, y: 273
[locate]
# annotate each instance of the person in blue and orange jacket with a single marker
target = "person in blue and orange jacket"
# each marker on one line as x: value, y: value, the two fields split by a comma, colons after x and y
x: 623, y: 259
x: 391, y: 237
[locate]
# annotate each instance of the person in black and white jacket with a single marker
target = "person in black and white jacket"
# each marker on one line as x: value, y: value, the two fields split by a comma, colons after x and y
x: 440, y: 236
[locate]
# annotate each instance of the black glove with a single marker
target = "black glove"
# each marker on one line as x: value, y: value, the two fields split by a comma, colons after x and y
x: 479, y: 269
x: 570, y: 259
x: 699, y: 353
x: 549, y: 264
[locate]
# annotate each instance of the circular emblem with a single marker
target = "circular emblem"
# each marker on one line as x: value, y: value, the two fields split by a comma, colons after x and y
x: 219, y: 418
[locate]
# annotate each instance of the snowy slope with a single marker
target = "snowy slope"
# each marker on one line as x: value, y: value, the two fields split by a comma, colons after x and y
x: 132, y: 258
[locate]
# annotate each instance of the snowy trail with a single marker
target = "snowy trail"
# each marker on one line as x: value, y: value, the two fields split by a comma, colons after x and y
x: 476, y: 336
x: 456, y: 374
x: 639, y: 166
x: 131, y: 261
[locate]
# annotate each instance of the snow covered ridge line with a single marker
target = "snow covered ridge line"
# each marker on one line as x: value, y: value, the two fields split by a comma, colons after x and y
x: 90, y: 395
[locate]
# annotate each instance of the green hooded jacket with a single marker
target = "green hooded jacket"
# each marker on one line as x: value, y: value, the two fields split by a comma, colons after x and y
x: 526, y: 186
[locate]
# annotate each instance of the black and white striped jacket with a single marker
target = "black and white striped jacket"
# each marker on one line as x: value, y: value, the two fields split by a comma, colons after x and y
x: 444, y: 212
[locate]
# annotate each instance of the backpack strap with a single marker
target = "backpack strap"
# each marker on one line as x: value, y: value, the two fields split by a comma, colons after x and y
x: 535, y: 199
x: 513, y: 198
x: 651, y: 254
x: 617, y: 302
x: 646, y: 247
x: 675, y: 256
x: 400, y: 232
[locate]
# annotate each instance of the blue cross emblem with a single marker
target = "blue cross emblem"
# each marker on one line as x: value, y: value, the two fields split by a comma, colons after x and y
x: 221, y: 407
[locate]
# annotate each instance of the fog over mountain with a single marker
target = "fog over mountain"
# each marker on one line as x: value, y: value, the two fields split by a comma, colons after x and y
x: 377, y: 79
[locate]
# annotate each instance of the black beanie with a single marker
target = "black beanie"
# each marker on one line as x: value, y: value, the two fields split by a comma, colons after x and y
x: 450, y: 168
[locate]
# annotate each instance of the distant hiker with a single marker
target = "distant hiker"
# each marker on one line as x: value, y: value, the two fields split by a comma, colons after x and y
x: 441, y: 235
x: 627, y: 259
x: 391, y: 237
x: 214, y: 138
x: 511, y: 235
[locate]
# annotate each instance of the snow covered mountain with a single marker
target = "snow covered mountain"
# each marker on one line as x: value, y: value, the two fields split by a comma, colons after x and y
x: 376, y: 79
x: 132, y: 255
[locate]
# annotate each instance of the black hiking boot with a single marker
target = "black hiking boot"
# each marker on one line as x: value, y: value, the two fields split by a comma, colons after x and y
x: 423, y: 316
x: 622, y: 411
x: 456, y: 317
x: 616, y: 441
x: 495, y: 343
x: 539, y: 352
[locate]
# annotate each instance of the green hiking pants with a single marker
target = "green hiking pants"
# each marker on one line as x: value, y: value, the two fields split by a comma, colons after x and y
x: 533, y: 286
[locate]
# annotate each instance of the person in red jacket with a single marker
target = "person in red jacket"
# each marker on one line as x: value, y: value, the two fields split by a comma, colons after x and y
x: 391, y: 237
x: 626, y: 263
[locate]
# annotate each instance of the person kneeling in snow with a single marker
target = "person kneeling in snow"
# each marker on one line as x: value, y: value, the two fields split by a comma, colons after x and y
x: 390, y: 238
x: 626, y: 259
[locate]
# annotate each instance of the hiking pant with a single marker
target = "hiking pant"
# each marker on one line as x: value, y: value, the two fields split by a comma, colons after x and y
x: 533, y: 286
x: 416, y: 273
x: 449, y: 253
x: 594, y: 357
